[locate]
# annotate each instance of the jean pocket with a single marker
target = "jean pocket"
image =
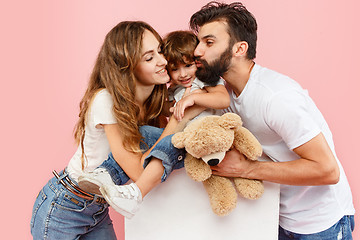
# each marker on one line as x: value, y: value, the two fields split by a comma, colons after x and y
x: 70, y: 202
x: 38, y: 202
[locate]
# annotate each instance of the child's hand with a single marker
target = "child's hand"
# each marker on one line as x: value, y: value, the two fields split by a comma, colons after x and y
x: 181, y: 105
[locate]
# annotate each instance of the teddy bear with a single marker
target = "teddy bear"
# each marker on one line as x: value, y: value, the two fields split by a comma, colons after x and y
x: 206, y: 141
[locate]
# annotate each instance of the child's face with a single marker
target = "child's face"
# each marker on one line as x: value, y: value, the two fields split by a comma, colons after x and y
x: 183, y: 73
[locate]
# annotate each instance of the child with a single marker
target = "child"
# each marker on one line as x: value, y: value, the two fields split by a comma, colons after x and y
x: 178, y: 50
x: 185, y: 90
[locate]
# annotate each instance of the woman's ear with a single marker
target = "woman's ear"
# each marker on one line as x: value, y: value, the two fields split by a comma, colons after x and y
x: 240, y: 49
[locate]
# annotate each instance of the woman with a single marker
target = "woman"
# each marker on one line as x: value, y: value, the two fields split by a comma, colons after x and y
x: 126, y: 90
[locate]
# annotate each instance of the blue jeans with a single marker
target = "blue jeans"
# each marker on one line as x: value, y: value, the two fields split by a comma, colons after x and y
x: 342, y: 230
x: 59, y: 214
x: 171, y: 157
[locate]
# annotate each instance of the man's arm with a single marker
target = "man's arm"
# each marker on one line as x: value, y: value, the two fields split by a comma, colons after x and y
x: 316, y: 166
x: 214, y: 97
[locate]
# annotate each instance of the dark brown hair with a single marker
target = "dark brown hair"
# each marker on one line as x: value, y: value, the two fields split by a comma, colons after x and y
x: 242, y: 24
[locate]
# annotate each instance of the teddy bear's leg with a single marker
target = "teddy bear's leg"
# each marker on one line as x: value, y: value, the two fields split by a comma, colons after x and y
x: 248, y: 188
x: 222, y: 195
x: 196, y: 168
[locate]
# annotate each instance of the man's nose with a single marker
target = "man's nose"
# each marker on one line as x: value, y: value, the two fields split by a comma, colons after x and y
x: 198, y: 52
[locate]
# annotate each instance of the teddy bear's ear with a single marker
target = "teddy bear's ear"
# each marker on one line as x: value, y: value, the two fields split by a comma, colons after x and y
x: 178, y: 140
x: 230, y: 120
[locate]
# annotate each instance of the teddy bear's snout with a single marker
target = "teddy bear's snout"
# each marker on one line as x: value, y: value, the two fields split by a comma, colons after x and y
x: 214, y: 158
x: 213, y: 162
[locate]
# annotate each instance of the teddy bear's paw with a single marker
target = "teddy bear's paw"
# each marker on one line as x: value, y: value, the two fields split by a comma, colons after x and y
x: 223, y: 208
x: 222, y: 195
x: 248, y: 188
x: 197, y: 169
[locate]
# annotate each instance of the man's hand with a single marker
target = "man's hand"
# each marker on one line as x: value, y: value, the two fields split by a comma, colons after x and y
x: 234, y: 164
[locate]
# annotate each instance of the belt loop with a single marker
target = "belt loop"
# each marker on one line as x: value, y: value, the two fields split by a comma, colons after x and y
x: 60, y: 177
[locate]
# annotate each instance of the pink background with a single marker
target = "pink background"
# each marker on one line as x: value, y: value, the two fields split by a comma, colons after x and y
x: 48, y: 49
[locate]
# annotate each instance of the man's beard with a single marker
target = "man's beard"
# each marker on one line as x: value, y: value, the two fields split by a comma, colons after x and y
x: 211, y: 73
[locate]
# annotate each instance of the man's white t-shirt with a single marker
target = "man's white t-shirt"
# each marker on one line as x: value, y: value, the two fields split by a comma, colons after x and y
x: 96, y: 145
x: 282, y: 116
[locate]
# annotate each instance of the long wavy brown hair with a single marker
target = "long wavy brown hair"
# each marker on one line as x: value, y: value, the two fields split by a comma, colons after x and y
x: 114, y: 70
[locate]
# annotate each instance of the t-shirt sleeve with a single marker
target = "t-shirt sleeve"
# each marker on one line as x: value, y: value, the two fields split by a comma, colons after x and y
x: 288, y: 115
x: 102, y: 110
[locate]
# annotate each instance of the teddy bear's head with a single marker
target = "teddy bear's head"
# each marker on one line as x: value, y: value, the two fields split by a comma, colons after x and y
x: 209, y: 138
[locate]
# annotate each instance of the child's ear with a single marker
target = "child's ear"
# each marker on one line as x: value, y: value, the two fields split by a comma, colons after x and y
x: 240, y: 49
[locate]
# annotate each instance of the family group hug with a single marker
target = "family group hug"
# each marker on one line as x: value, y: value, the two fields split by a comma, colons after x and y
x: 196, y: 101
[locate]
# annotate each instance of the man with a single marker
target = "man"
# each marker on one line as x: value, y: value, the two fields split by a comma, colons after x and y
x: 316, y: 200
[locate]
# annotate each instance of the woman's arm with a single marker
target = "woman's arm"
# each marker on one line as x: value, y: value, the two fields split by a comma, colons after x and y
x: 175, y: 126
x: 132, y: 163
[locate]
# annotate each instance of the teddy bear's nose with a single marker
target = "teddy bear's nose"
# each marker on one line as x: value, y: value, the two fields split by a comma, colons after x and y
x: 213, y: 162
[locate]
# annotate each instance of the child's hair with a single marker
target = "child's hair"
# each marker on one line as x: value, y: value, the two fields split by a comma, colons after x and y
x: 179, y: 47
x: 114, y: 70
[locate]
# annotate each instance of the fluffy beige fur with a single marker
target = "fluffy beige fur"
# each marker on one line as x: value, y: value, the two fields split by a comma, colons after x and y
x: 213, y: 134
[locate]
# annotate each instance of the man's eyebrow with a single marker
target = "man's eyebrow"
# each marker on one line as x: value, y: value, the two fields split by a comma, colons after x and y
x: 208, y: 36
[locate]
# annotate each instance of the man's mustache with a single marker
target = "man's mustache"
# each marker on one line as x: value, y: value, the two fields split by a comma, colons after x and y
x: 202, y: 61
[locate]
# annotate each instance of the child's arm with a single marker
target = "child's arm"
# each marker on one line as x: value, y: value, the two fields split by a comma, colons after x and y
x: 215, y: 97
